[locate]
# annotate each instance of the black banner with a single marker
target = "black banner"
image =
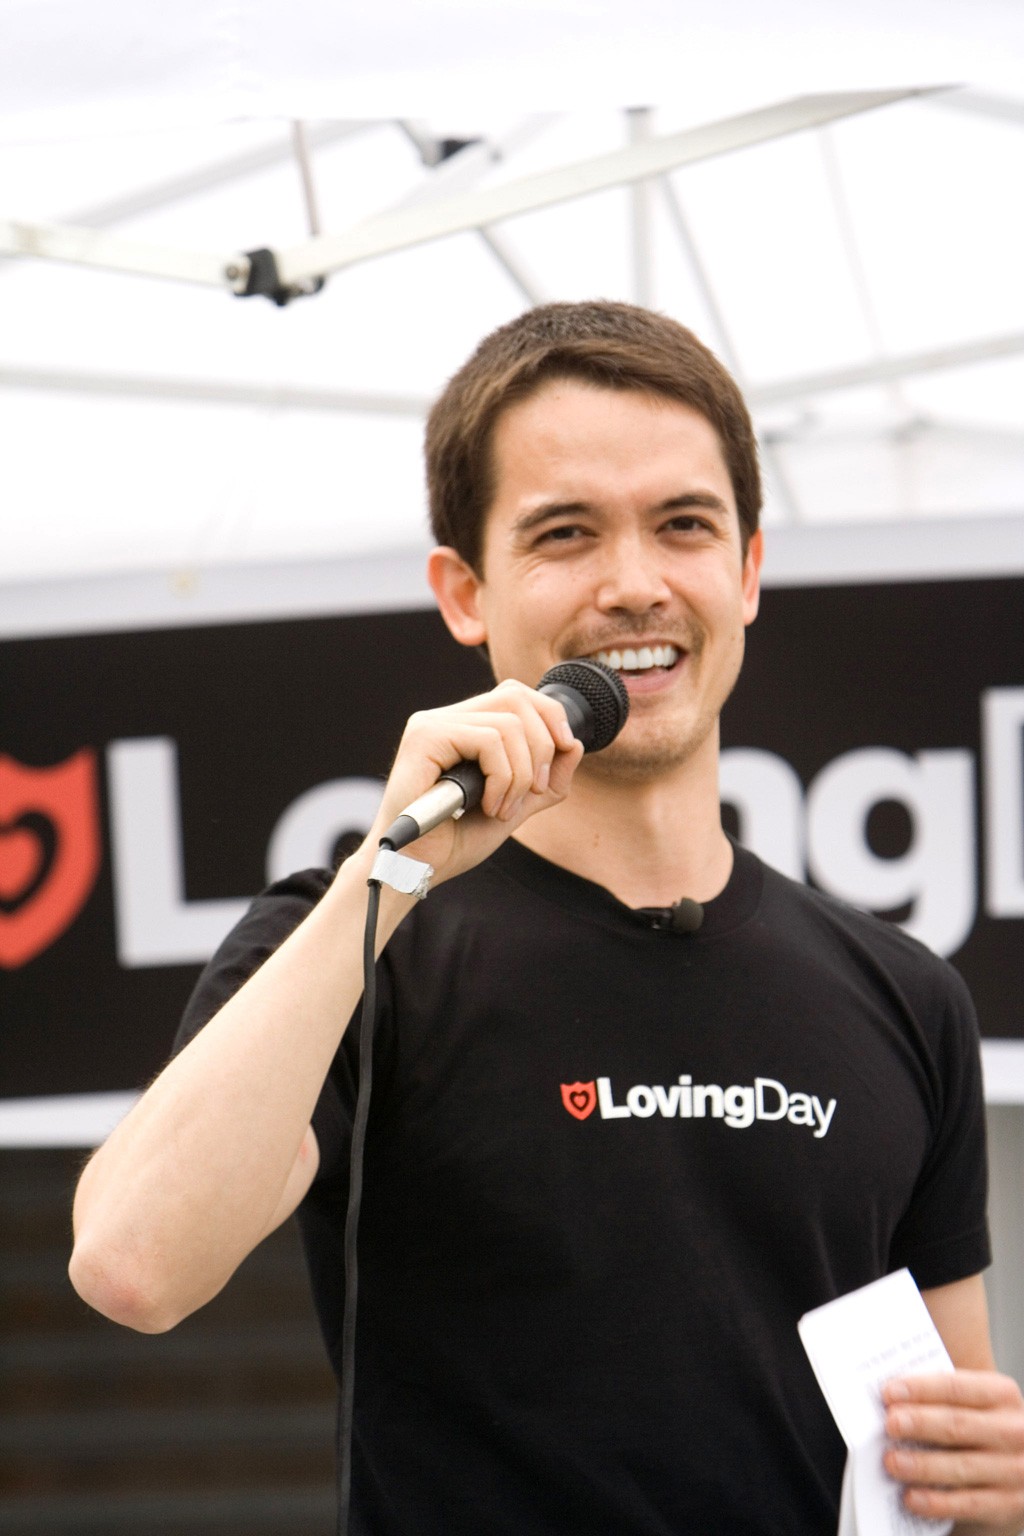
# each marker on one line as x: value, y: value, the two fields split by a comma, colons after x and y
x: 150, y: 782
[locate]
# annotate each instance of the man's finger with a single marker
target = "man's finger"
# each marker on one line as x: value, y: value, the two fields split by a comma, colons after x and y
x: 968, y: 1389
x: 989, y: 1506
x: 999, y: 1429
x: 954, y: 1469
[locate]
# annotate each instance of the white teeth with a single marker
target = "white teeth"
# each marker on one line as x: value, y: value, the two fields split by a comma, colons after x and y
x: 640, y: 660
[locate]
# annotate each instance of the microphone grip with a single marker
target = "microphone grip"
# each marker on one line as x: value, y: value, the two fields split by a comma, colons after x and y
x: 470, y: 779
x: 459, y: 789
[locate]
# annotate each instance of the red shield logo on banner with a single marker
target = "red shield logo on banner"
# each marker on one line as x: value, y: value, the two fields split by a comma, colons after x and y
x: 579, y: 1098
x: 44, y: 881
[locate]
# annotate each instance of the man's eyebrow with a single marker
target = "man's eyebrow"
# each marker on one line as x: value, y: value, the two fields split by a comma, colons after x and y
x: 706, y: 499
x: 545, y: 513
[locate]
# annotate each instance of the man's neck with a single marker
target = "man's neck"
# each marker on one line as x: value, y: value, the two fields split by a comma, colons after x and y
x: 649, y: 843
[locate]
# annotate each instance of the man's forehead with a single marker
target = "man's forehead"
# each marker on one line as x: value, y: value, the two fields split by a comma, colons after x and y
x: 601, y: 392
x: 579, y: 432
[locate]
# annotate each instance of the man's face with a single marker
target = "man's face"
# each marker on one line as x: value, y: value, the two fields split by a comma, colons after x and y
x: 613, y: 534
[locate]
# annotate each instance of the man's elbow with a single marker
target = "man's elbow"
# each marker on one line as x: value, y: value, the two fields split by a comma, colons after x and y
x: 122, y: 1290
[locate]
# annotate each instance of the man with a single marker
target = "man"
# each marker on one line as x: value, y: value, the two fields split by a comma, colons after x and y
x: 609, y: 1164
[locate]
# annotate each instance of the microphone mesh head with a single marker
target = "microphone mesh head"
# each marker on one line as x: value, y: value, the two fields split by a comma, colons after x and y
x: 602, y: 689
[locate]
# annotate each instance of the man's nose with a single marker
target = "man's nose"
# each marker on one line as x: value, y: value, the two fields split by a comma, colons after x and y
x: 632, y: 578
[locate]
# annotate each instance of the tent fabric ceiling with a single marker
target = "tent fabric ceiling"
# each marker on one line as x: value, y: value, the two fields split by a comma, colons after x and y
x: 862, y: 279
x: 75, y: 67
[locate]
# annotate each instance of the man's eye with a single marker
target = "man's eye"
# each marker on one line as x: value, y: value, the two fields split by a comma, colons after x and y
x: 686, y: 522
x: 560, y: 534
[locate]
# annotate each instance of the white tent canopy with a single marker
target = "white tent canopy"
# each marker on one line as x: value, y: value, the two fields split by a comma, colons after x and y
x: 856, y: 258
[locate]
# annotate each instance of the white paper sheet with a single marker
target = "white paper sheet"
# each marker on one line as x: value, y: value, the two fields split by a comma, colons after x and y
x: 855, y: 1344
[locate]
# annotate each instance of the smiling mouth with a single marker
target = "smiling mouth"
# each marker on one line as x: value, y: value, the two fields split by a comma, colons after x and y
x: 633, y: 661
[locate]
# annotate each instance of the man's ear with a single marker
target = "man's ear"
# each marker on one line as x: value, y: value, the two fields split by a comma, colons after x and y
x: 752, y: 577
x: 456, y: 586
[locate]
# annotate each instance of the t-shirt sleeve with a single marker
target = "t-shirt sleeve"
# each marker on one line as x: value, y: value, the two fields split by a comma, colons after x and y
x: 943, y: 1235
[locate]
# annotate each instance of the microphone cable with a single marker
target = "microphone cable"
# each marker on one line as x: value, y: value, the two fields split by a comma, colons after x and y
x: 412, y: 878
x: 367, y: 1025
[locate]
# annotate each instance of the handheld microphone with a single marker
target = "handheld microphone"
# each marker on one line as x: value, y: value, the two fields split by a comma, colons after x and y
x: 596, y: 705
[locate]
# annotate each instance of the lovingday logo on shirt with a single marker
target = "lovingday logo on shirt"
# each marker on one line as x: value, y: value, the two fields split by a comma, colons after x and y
x: 739, y: 1105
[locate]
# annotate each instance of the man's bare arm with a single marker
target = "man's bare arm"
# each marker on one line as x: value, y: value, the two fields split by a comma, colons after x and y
x: 218, y: 1150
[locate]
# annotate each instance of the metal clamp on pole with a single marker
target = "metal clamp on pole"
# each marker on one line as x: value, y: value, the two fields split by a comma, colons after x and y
x: 263, y: 278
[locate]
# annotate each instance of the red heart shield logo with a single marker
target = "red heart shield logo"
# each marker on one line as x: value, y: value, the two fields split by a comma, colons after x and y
x: 40, y: 895
x: 579, y: 1098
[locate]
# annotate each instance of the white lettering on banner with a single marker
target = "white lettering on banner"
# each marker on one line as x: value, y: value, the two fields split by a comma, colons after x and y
x: 1002, y: 715
x: 825, y: 832
x: 768, y: 798
x: 155, y: 924
x: 936, y: 873
x: 306, y: 833
x: 738, y: 1106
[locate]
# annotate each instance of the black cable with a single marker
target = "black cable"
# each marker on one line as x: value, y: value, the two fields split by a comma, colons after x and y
x: 367, y: 1022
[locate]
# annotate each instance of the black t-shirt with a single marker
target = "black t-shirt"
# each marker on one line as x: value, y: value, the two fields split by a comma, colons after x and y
x: 608, y: 1167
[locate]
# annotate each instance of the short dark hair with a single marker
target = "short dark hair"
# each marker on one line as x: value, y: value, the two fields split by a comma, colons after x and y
x: 609, y: 344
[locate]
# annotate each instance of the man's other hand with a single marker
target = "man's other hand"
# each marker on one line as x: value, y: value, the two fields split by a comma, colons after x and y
x: 959, y: 1448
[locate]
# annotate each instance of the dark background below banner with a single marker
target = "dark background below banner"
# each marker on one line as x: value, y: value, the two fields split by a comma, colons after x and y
x: 263, y: 711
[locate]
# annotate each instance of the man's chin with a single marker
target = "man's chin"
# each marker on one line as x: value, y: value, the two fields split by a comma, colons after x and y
x: 639, y: 758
